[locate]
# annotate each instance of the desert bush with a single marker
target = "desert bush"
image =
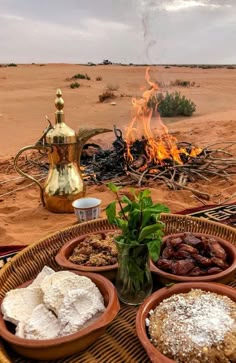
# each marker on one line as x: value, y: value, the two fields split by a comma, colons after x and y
x: 107, y: 95
x: 113, y: 87
x: 231, y: 67
x: 12, y: 65
x: 98, y: 78
x: 210, y: 66
x: 205, y: 66
x: 182, y: 83
x: 172, y: 104
x: 167, y: 67
x: 81, y: 76
x: 74, y: 85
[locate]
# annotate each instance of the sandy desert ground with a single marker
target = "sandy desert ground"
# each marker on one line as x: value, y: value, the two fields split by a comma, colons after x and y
x: 27, y: 94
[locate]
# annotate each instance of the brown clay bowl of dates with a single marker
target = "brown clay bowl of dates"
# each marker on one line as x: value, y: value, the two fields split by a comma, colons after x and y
x: 93, y: 252
x: 189, y: 257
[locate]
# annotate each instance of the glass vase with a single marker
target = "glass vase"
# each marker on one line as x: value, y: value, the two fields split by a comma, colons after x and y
x: 134, y: 279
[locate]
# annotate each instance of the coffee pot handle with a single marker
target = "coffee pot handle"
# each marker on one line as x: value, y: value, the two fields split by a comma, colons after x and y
x: 21, y: 172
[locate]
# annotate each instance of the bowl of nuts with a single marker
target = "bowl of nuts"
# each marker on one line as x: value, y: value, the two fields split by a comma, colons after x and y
x: 93, y: 252
x: 186, y: 257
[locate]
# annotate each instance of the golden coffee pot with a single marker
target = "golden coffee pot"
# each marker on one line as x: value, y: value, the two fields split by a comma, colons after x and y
x: 64, y: 182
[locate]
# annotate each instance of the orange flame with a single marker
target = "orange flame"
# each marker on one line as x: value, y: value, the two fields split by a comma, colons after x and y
x: 160, y: 144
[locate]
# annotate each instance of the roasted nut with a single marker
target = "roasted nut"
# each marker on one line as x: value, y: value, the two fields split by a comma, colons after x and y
x: 95, y: 250
x: 79, y: 259
x: 84, y: 250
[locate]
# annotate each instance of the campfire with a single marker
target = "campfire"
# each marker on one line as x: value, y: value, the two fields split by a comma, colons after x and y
x: 149, y: 154
x: 160, y: 147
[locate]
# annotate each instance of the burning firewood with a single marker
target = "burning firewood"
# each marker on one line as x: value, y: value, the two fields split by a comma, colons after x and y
x: 150, y: 154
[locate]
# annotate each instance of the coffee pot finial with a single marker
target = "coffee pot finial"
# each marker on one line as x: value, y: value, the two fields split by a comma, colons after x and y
x: 59, y: 102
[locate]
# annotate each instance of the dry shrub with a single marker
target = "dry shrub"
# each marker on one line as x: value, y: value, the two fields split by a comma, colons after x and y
x: 182, y: 83
x: 74, y: 85
x: 81, y: 76
x: 107, y: 95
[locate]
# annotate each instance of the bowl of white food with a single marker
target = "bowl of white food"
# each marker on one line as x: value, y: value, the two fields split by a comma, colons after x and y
x: 57, y: 314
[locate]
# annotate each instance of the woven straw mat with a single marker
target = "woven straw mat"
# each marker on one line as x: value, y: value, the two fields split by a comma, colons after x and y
x: 119, y: 344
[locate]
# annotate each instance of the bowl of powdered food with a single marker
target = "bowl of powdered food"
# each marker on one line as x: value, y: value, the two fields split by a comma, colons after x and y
x: 189, y: 322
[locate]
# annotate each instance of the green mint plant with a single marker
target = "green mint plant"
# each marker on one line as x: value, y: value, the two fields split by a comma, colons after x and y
x: 138, y: 219
x: 141, y: 237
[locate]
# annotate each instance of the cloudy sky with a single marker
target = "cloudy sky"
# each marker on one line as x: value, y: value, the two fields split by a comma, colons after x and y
x: 137, y: 31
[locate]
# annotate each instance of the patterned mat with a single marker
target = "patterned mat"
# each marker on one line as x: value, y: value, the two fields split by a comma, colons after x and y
x: 7, y: 252
x: 225, y: 214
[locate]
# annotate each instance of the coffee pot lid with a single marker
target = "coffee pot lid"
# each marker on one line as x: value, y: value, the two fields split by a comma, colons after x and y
x: 61, y: 133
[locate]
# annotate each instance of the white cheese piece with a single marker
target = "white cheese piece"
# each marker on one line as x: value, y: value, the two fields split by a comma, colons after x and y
x: 77, y: 308
x: 93, y: 319
x: 56, y: 286
x: 75, y: 299
x: 46, y: 271
x: 20, y: 330
x: 18, y: 304
x: 43, y: 324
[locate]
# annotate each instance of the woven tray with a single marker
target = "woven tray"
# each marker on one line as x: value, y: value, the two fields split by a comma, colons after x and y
x: 119, y: 344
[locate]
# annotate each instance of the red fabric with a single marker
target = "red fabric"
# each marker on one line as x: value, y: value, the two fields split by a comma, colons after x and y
x: 5, y: 250
x: 198, y: 209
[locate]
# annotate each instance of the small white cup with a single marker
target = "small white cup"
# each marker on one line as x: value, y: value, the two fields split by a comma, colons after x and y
x: 86, y: 209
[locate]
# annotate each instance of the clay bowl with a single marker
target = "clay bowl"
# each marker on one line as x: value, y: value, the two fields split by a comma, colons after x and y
x: 222, y: 277
x: 152, y: 301
x: 70, y: 344
x: 62, y: 258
